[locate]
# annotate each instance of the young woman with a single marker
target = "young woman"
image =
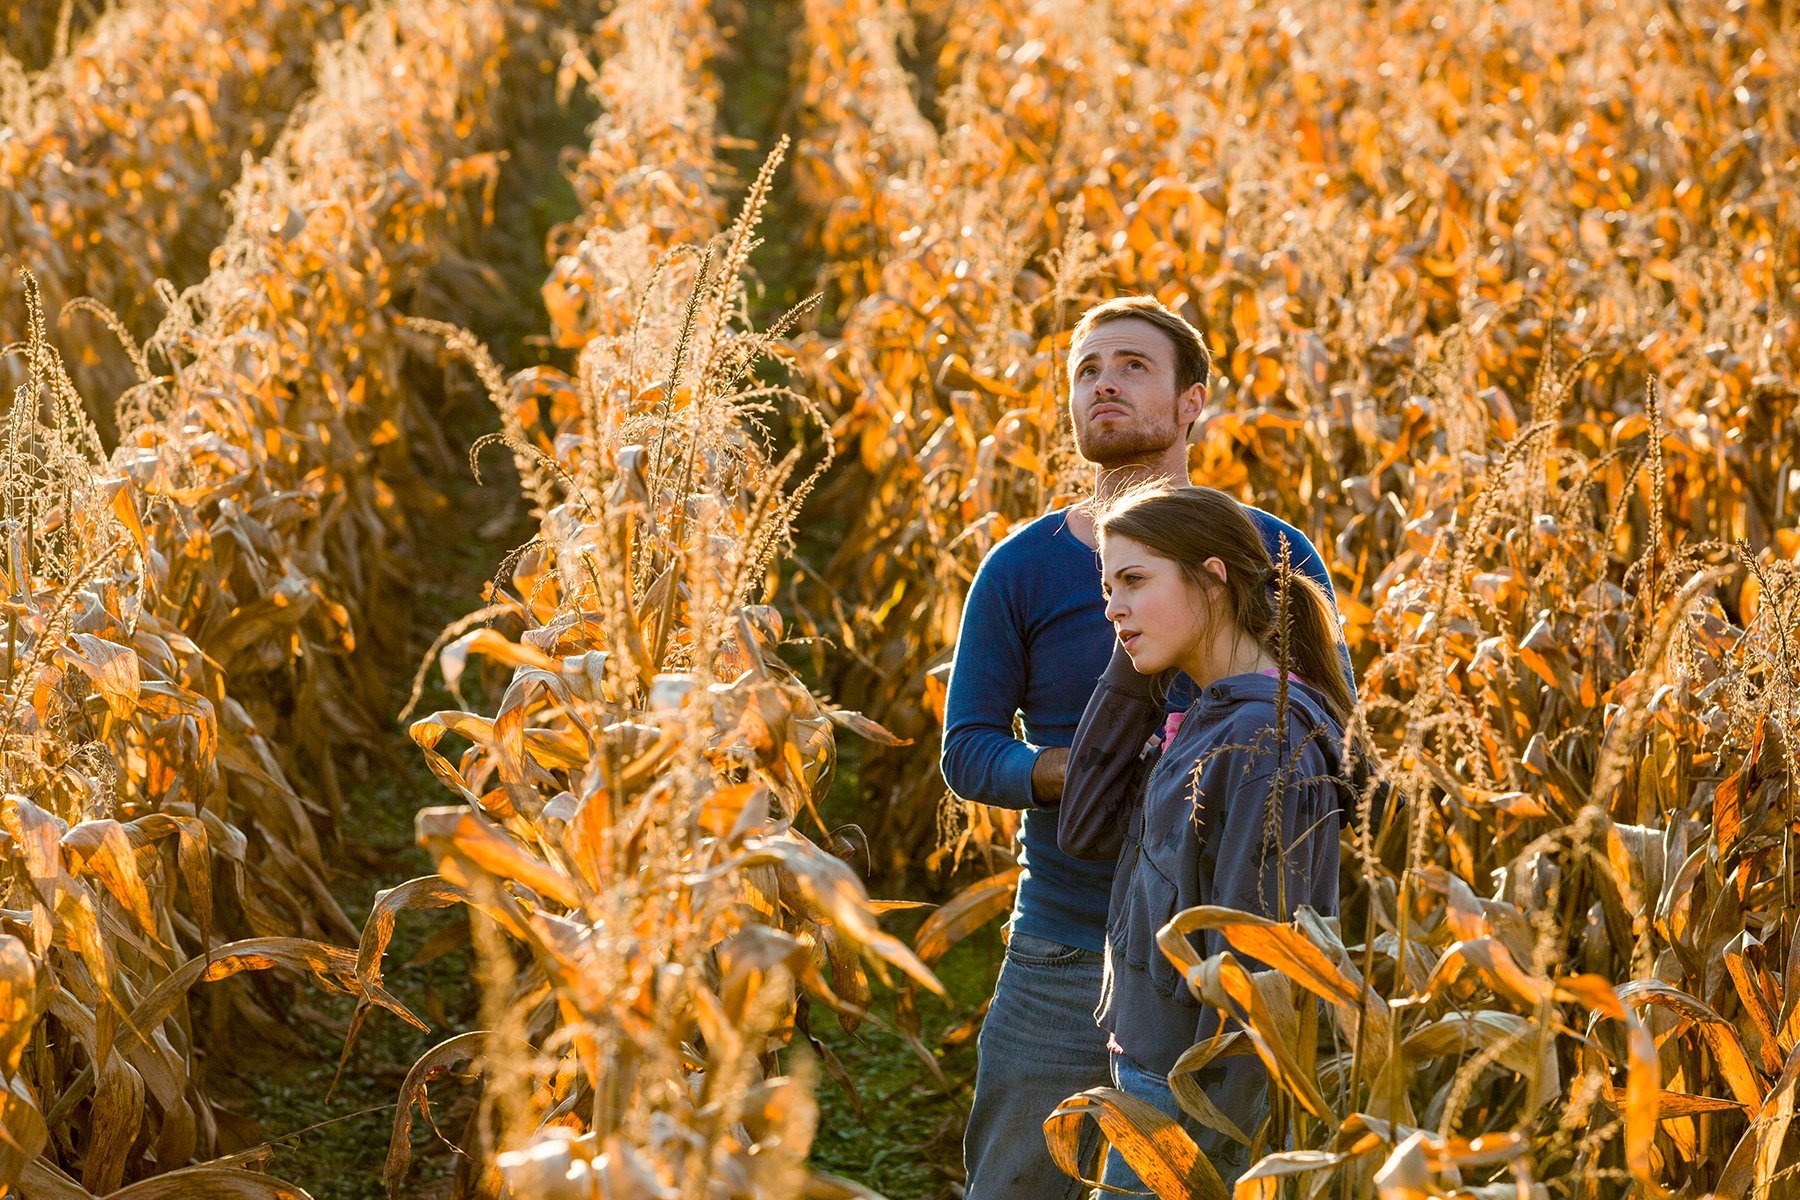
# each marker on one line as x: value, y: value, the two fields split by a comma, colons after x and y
x: 1191, y: 590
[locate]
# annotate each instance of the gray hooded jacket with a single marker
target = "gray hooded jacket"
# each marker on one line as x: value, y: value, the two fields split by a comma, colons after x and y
x: 1190, y: 827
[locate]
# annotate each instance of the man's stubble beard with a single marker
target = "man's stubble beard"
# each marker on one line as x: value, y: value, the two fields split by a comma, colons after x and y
x: 1125, y: 447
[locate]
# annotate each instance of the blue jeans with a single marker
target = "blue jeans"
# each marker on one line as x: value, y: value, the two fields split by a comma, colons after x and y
x: 1229, y: 1158
x: 1039, y: 1045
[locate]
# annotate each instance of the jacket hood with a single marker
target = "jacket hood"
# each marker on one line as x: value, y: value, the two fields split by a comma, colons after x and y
x: 1255, y: 694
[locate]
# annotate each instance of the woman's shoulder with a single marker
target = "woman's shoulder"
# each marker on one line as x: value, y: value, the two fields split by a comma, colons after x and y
x: 1259, y: 694
x: 1245, y: 712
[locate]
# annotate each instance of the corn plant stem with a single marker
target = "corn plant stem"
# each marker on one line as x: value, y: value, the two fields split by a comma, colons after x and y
x: 1784, y: 653
x: 696, y: 298
x: 65, y: 20
x: 678, y: 527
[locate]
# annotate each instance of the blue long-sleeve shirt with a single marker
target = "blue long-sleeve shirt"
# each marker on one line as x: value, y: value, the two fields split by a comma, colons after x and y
x: 1034, y: 642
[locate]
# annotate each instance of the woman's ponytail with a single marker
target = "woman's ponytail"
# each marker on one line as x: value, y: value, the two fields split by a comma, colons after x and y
x: 1313, y: 641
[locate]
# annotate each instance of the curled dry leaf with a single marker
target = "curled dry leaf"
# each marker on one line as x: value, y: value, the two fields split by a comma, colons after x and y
x: 965, y: 912
x: 1154, y: 1146
x: 440, y: 1059
x: 835, y: 894
x: 211, y: 1182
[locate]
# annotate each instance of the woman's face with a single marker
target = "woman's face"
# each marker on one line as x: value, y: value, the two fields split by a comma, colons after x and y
x: 1160, y: 618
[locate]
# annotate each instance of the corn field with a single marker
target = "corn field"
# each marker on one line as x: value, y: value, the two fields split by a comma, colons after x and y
x: 752, y: 321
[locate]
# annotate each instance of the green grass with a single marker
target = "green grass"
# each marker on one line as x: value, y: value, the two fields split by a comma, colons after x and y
x: 333, y: 1144
x: 907, y: 1142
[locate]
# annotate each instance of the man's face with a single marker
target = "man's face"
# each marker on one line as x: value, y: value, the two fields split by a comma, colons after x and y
x: 1123, y: 397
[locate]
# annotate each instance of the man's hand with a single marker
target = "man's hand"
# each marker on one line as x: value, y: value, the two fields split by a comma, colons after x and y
x: 1048, y: 771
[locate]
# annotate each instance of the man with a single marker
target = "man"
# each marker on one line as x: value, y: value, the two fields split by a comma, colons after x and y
x: 1034, y: 641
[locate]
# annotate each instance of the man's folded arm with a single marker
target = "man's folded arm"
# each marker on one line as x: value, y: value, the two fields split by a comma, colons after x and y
x: 981, y: 759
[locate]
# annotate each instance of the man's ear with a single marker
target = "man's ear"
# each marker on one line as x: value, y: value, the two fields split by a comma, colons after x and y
x: 1188, y: 406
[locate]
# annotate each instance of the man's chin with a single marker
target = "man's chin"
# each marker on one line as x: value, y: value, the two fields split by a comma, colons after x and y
x: 1110, y: 456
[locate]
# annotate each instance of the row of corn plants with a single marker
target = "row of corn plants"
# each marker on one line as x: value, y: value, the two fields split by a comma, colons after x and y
x: 1575, y: 600
x: 861, y: 134
x: 293, y: 353
x: 653, y: 925
x: 1437, y: 285
x: 174, y: 603
x: 651, y: 170
x: 145, y: 814
x: 115, y: 155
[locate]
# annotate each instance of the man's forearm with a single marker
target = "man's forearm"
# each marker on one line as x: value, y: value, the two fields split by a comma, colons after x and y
x: 1048, y: 771
x: 988, y: 765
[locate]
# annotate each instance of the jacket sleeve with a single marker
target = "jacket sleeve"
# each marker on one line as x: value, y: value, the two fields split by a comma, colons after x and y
x: 981, y: 759
x: 1106, y: 761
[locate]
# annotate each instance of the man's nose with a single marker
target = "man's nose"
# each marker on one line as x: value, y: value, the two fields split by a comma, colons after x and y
x: 1105, y: 385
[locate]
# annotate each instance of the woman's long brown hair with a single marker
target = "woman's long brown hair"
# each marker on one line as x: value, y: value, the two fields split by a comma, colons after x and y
x: 1189, y: 525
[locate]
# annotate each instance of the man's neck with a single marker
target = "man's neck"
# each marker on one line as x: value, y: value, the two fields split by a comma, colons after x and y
x: 1110, y: 481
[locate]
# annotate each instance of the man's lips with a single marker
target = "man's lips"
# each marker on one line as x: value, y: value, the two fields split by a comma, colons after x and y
x: 1105, y: 410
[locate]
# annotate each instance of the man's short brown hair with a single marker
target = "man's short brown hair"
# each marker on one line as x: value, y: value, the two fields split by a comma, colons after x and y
x: 1193, y: 361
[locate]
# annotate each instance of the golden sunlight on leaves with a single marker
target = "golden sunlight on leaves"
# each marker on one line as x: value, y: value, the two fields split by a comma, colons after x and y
x: 1501, y: 306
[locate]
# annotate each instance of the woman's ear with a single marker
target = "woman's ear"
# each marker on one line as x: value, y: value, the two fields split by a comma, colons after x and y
x: 1217, y: 567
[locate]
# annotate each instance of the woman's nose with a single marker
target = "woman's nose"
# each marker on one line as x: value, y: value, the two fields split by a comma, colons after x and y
x: 1114, y: 609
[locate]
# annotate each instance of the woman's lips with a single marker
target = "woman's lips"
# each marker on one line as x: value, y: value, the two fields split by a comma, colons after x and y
x: 1125, y: 640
